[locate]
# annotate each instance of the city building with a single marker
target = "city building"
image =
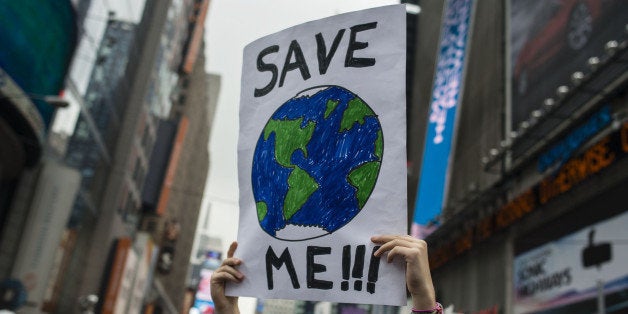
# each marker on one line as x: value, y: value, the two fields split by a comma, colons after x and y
x: 183, y: 184
x: 90, y: 148
x: 29, y: 83
x: 203, y: 244
x: 91, y: 145
x: 35, y: 189
x: 162, y: 79
x: 142, y: 76
x: 73, y: 200
x: 533, y: 202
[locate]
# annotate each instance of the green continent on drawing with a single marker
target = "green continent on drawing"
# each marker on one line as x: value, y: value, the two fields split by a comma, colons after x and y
x: 301, y: 186
x: 356, y: 111
x: 363, y: 179
x: 331, y: 105
x: 290, y: 136
x: 316, y: 163
x: 261, y: 210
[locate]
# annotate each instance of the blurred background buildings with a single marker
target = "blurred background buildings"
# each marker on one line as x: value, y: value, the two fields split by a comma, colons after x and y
x: 109, y: 207
x: 107, y: 213
x: 537, y: 163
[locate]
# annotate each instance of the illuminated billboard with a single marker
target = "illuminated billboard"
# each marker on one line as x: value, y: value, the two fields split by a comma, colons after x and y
x: 447, y: 91
x: 550, y: 40
x: 569, y: 274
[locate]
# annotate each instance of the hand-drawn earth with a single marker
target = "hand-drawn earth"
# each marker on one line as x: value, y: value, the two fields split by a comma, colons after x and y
x: 316, y: 163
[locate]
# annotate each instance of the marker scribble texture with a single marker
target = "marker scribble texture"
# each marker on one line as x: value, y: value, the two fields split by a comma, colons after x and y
x: 316, y: 162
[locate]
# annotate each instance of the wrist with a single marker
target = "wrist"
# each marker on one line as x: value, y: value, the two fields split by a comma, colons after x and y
x: 437, y: 308
x: 423, y: 300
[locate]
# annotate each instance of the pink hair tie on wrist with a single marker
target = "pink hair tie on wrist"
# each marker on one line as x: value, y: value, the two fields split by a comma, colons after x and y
x: 438, y: 309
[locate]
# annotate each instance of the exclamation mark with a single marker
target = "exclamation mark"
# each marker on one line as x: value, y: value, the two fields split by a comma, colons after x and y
x: 358, y: 267
x: 373, y: 271
x: 346, y: 266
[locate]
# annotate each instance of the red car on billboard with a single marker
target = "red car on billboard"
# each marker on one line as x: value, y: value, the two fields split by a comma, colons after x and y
x: 562, y: 28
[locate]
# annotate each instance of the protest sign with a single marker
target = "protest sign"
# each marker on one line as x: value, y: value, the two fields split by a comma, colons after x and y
x: 322, y: 159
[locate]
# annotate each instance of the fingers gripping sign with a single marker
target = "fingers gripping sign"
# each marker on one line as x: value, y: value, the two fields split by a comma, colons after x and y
x: 227, y: 272
x: 414, y: 252
x: 403, y: 248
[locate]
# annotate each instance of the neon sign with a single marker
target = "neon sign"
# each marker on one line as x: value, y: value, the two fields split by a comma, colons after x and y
x: 575, y: 171
x: 564, y: 149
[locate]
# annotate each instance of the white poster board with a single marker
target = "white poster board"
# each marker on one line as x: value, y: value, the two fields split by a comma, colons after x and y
x: 322, y: 159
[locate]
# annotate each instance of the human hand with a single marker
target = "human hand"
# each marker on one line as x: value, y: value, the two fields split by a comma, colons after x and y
x: 414, y: 253
x: 226, y: 272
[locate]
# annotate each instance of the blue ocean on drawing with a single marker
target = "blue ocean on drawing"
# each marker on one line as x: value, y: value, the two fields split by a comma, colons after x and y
x: 316, y: 163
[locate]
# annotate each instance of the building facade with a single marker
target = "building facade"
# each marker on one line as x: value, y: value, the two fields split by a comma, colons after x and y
x: 35, y: 189
x: 528, y: 224
x: 77, y: 231
x: 185, y: 182
x: 141, y: 75
x: 167, y: 87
